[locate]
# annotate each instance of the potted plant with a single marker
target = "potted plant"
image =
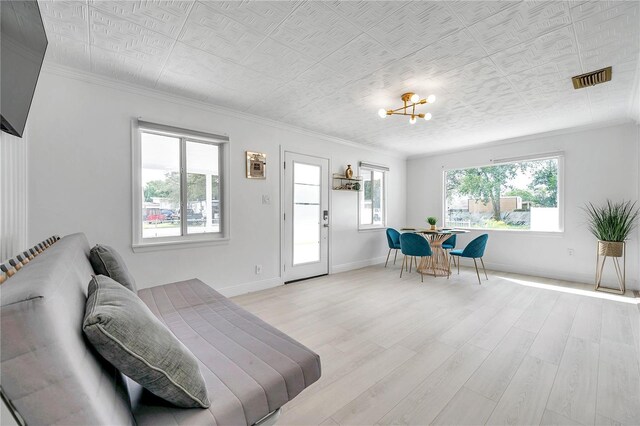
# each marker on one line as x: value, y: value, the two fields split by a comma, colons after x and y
x: 611, y: 224
x: 432, y: 221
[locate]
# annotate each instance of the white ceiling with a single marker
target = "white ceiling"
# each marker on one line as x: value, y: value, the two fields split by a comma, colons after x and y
x: 500, y: 69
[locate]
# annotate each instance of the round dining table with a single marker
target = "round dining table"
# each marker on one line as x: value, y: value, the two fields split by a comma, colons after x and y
x: 438, y: 263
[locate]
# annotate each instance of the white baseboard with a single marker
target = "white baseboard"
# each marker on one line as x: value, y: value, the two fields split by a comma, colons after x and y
x: 576, y: 277
x: 250, y: 287
x: 344, y: 267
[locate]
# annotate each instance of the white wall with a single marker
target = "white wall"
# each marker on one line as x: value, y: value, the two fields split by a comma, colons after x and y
x: 80, y: 162
x: 599, y: 164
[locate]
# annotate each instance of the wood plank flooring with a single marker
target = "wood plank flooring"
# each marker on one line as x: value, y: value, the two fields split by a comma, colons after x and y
x: 516, y: 350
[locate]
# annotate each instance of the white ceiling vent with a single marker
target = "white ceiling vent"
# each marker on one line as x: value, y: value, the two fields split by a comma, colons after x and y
x: 591, y: 78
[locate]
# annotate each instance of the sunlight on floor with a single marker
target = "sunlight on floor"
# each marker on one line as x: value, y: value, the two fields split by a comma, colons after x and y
x: 566, y: 289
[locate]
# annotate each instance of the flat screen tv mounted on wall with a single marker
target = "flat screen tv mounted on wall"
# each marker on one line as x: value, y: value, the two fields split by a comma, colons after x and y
x: 23, y: 45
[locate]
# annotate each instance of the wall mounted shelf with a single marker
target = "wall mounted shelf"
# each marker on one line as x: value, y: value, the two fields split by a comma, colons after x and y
x: 342, y: 183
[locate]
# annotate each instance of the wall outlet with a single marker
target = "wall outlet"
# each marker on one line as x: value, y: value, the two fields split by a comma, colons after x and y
x: 258, y: 269
x: 570, y: 252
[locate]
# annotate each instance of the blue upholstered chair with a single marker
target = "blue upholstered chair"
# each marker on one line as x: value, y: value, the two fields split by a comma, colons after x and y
x: 450, y: 244
x: 413, y: 245
x: 393, y: 239
x: 474, y: 250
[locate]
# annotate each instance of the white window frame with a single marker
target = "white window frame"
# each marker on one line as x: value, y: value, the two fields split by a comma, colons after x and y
x: 222, y: 142
x: 533, y: 157
x: 371, y: 167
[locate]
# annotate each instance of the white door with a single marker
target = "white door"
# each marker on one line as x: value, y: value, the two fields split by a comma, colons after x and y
x: 306, y: 216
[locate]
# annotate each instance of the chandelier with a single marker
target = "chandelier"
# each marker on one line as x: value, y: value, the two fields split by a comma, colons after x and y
x: 411, y: 100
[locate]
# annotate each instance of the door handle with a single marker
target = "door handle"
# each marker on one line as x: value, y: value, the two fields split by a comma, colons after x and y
x: 326, y: 225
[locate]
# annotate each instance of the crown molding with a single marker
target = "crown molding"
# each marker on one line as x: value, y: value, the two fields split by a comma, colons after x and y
x: 524, y: 138
x: 99, y: 80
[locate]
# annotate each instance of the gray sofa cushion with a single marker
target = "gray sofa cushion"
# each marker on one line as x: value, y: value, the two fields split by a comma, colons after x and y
x: 106, y: 261
x: 129, y: 336
x: 49, y: 372
x: 251, y: 367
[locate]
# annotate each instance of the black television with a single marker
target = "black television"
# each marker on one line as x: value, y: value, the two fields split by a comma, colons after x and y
x: 23, y: 45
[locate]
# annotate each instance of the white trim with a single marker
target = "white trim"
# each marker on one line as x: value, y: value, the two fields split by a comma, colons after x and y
x: 544, y: 272
x: 344, y: 267
x: 385, y: 178
x: 250, y: 287
x: 523, y: 138
x: 170, y: 130
x: 283, y: 255
x: 519, y: 159
x: 178, y: 244
x: 368, y: 165
x: 88, y: 77
x: 141, y: 244
x: 91, y: 78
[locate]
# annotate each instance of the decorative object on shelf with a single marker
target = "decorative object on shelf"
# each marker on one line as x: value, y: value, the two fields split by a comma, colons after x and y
x: 349, y: 172
x: 343, y: 183
x: 411, y: 100
x: 256, y: 165
x: 611, y: 224
x: 432, y: 221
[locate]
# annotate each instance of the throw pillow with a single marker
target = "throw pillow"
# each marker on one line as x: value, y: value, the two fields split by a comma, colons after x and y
x: 106, y: 261
x: 127, y: 334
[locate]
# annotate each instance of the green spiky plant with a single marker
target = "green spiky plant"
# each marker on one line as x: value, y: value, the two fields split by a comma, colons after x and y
x: 432, y: 220
x: 613, y: 221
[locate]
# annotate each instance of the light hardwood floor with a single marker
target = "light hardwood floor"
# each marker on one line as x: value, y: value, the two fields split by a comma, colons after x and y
x: 515, y: 350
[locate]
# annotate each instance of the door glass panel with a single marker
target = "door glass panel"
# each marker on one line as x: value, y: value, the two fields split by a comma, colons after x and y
x: 306, y: 174
x: 306, y: 213
x: 203, y: 190
x: 160, y: 174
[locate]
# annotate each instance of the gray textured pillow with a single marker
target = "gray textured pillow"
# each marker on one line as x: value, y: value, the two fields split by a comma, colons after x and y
x: 106, y: 261
x: 127, y: 334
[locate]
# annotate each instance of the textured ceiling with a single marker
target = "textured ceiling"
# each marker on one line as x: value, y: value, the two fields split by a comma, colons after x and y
x: 500, y: 69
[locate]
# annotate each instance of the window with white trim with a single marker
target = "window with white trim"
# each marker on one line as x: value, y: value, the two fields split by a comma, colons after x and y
x: 179, y: 185
x: 522, y: 194
x: 372, y: 206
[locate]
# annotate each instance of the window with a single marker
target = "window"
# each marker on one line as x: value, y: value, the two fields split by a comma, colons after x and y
x: 373, y: 203
x: 179, y: 186
x: 515, y: 194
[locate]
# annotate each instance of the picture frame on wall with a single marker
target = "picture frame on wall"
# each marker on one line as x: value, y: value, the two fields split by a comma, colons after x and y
x: 256, y: 165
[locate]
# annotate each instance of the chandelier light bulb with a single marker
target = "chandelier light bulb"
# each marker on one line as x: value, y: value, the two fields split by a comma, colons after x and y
x: 411, y: 103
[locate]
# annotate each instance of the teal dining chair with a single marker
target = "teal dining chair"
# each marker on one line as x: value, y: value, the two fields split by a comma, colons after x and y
x: 414, y: 245
x: 393, y: 239
x: 449, y: 244
x: 474, y: 250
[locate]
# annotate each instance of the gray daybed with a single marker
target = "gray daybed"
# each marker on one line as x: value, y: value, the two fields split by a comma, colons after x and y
x: 52, y: 375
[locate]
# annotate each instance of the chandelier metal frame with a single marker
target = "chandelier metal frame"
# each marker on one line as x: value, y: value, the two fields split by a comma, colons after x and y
x: 409, y: 107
